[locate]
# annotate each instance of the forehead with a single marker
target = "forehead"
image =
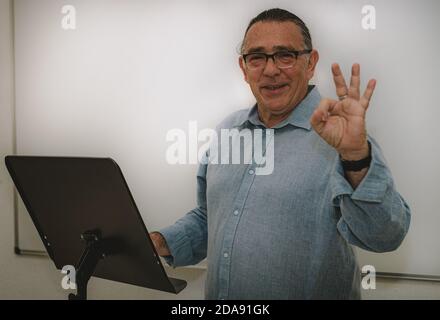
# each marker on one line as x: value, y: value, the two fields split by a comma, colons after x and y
x: 271, y: 34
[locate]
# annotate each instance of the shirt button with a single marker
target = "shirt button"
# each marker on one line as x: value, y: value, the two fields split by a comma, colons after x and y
x: 236, y: 212
x: 251, y: 172
x: 225, y: 255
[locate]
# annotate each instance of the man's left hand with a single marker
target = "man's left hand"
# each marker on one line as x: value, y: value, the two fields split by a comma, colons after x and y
x: 341, y: 123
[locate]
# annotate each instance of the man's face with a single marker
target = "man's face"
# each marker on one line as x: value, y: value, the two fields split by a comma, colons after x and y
x: 277, y: 91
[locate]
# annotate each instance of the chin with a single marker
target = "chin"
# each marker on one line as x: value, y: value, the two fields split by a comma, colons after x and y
x: 276, y: 106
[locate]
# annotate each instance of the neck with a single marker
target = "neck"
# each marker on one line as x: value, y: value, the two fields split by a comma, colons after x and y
x: 270, y: 119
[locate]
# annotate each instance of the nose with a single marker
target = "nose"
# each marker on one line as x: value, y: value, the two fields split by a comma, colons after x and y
x: 271, y: 69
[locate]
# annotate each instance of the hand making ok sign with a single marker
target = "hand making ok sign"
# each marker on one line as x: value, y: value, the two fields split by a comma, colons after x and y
x: 341, y: 123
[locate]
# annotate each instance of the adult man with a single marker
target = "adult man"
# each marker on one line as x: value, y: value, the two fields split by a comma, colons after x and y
x: 288, y: 235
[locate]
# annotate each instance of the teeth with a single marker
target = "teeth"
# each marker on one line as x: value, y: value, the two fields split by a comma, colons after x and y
x: 274, y: 87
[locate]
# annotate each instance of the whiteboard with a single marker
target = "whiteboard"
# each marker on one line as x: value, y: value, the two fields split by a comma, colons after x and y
x: 133, y: 70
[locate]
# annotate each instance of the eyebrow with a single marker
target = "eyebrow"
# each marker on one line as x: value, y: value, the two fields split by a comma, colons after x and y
x: 275, y: 48
x: 255, y: 49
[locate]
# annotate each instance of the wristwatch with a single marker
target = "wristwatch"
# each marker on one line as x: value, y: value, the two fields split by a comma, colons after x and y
x: 357, y: 165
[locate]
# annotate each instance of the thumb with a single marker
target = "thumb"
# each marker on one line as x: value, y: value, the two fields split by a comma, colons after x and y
x: 321, y: 114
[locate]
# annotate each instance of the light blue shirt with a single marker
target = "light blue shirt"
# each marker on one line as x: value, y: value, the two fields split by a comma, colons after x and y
x: 289, y: 234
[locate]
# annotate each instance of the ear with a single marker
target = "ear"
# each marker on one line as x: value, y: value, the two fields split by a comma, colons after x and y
x: 313, y: 61
x: 243, y: 68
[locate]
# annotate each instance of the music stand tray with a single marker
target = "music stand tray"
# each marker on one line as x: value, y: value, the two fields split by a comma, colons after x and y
x: 86, y: 216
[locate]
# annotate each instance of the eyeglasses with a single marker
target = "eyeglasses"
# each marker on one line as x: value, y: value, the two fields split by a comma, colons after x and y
x: 282, y: 59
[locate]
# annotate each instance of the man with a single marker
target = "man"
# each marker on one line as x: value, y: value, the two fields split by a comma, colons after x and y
x: 288, y: 235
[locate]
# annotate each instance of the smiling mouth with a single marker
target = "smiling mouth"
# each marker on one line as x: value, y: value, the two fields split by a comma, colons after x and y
x: 274, y: 88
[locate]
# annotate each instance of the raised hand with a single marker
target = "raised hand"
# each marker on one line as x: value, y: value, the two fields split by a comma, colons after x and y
x: 341, y: 123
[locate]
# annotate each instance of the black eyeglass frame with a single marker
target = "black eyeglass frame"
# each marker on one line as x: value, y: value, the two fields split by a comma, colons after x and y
x: 272, y: 56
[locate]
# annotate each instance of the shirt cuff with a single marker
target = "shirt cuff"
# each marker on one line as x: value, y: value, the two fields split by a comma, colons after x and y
x: 372, y: 187
x: 179, y: 246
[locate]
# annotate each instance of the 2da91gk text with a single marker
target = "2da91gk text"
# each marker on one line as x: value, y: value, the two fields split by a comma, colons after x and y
x: 242, y: 309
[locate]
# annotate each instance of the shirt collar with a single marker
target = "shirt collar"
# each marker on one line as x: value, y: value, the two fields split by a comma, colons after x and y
x: 299, y: 117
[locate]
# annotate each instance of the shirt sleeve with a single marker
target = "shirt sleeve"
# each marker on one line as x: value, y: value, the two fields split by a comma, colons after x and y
x: 187, y: 238
x: 374, y: 216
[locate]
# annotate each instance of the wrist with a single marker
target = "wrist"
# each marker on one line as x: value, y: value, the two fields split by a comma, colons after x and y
x: 356, y: 155
x: 361, y: 160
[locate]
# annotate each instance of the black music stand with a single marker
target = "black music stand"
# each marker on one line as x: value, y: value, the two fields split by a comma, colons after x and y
x: 86, y: 216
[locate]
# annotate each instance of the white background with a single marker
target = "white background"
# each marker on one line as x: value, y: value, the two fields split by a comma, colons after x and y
x: 132, y: 70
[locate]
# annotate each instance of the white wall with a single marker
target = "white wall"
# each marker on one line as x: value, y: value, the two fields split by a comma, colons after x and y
x: 36, y: 278
x: 120, y: 64
x: 24, y: 277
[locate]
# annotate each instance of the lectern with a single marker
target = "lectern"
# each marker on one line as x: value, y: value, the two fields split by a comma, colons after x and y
x: 86, y: 216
